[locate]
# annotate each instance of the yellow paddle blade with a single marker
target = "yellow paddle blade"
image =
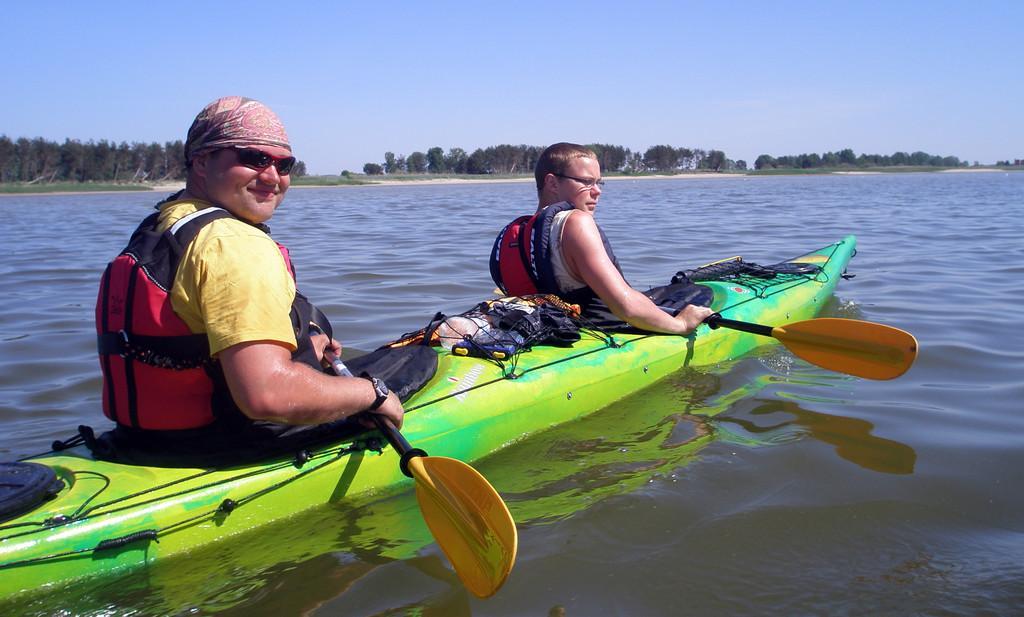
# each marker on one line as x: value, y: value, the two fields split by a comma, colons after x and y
x: 469, y: 520
x: 861, y: 348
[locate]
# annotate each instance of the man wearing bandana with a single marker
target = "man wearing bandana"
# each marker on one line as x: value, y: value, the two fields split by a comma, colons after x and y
x: 200, y: 324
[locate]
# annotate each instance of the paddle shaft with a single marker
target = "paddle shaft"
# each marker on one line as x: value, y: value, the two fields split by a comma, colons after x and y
x: 717, y: 321
x: 339, y: 367
x: 395, y: 438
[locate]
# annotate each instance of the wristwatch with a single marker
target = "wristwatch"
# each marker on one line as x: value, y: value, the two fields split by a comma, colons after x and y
x: 380, y: 389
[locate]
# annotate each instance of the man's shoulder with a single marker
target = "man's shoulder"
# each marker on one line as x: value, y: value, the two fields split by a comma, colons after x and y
x: 576, y: 221
x: 174, y: 211
x: 229, y: 238
x: 220, y: 239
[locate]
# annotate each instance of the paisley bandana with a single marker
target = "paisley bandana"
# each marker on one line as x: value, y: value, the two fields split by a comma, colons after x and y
x: 234, y: 121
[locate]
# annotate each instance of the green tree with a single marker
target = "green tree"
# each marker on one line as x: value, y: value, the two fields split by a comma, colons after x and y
x: 299, y: 169
x: 503, y: 158
x: 661, y: 158
x: 49, y: 153
x: 155, y: 159
x: 477, y: 163
x: 715, y: 160
x: 102, y: 162
x: 139, y: 162
x: 7, y: 159
x: 416, y: 163
x: 611, y: 158
x: 122, y: 160
x: 373, y: 169
x: 528, y: 158
x: 26, y: 164
x: 390, y: 164
x: 809, y: 161
x: 866, y: 160
x: 174, y: 152
x: 455, y: 160
x: 435, y: 161
x: 72, y: 161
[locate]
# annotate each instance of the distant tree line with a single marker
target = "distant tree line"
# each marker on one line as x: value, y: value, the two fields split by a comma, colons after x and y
x: 41, y: 161
x: 509, y: 159
x: 847, y: 158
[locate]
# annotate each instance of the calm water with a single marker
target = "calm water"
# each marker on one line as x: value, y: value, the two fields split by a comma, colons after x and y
x: 764, y: 487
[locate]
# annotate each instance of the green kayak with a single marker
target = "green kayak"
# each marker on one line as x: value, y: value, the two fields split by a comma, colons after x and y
x: 105, y: 519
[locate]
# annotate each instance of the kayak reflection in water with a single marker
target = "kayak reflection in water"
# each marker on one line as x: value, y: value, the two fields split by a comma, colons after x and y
x: 851, y: 437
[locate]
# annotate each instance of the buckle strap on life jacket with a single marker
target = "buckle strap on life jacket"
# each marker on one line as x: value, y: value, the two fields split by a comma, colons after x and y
x: 526, y: 249
x: 111, y: 390
x: 171, y: 352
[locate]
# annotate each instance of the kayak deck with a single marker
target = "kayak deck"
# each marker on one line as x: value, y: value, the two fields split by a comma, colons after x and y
x: 111, y: 517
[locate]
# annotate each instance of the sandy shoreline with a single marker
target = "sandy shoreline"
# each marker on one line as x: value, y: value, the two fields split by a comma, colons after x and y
x: 171, y: 187
x: 972, y: 170
x: 485, y: 180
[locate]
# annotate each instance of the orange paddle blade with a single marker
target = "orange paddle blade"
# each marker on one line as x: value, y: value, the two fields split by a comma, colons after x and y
x: 861, y: 348
x: 469, y: 520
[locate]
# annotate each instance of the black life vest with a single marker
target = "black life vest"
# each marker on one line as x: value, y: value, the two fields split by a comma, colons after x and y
x: 157, y: 374
x: 522, y: 262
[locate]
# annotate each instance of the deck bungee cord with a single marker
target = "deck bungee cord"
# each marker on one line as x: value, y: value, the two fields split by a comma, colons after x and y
x: 757, y: 278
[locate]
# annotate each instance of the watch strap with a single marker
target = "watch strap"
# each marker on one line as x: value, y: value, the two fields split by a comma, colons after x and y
x: 377, y: 385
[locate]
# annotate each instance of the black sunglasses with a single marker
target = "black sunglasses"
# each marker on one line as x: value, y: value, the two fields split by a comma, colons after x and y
x: 260, y: 160
x: 586, y: 182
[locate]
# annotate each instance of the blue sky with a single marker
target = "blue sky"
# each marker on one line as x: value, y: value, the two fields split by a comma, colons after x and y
x: 353, y: 80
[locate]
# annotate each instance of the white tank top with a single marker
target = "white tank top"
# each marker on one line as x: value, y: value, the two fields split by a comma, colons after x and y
x: 566, y: 281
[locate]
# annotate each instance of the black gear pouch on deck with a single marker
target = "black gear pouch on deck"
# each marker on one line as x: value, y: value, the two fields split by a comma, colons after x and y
x: 544, y: 325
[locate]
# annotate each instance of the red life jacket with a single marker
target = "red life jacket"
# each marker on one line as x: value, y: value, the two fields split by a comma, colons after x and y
x: 522, y: 262
x: 157, y: 374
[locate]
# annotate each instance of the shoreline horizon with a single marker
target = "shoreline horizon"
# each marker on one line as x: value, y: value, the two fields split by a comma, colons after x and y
x: 442, y: 181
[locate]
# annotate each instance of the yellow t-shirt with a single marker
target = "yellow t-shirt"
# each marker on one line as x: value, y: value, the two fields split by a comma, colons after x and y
x: 232, y: 282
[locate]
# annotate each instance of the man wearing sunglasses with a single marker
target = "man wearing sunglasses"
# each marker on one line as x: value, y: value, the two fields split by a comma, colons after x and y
x: 202, y: 332
x: 561, y: 250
